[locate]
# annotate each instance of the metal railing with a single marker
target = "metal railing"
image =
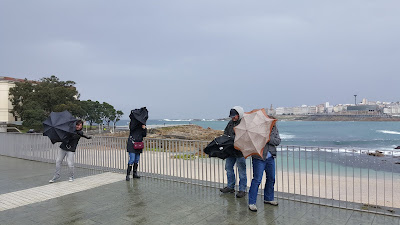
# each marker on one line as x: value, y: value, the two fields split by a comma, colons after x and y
x: 362, y: 180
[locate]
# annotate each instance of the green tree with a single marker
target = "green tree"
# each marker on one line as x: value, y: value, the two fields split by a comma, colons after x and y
x: 93, y: 111
x: 51, y: 92
x: 20, y: 94
x: 33, y: 116
x: 108, y: 113
x: 117, y: 117
x: 74, y: 108
x: 33, y: 101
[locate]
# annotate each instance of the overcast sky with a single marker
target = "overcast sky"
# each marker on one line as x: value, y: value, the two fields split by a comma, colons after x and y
x: 197, y: 59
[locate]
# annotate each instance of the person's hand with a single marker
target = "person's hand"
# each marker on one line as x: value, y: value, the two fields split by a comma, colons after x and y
x: 144, y: 126
x: 89, y: 137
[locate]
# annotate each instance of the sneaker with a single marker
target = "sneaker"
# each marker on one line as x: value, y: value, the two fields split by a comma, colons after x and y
x: 71, y: 179
x: 240, y: 194
x: 253, y: 207
x: 274, y: 203
x: 53, y: 180
x: 227, y: 190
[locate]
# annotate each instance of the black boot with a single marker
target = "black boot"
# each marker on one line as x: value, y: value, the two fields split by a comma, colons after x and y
x: 128, y: 172
x: 135, y: 175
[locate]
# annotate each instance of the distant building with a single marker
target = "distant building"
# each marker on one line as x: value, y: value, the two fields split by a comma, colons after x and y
x: 280, y: 111
x: 271, y: 111
x: 5, y: 104
x: 364, y: 101
x: 392, y: 110
x: 339, y: 108
x: 320, y: 108
x: 363, y: 109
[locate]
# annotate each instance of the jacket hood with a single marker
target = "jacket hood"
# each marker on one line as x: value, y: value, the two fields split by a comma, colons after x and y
x: 239, y: 110
x: 140, y: 115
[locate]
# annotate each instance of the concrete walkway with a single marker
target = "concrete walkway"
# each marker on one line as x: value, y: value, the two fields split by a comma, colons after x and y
x: 106, y: 198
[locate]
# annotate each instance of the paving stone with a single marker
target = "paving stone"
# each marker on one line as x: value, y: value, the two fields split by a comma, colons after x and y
x: 152, y: 201
x: 362, y: 216
x: 329, y: 221
x: 387, y: 220
x: 357, y: 222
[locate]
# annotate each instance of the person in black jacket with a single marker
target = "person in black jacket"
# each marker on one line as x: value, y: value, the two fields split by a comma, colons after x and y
x: 236, y: 114
x: 67, y: 148
x: 138, y: 130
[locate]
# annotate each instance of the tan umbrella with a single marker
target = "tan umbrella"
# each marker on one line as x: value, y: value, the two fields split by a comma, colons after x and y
x: 253, y: 132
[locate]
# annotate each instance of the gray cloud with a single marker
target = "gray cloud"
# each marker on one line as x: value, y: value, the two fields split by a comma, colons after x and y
x: 186, y: 59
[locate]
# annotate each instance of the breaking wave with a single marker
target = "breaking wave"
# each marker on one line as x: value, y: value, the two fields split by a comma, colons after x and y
x: 169, y: 120
x: 287, y: 136
x: 388, y: 132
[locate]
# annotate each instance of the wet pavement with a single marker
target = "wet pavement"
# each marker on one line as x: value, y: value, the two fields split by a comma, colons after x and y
x: 149, y: 201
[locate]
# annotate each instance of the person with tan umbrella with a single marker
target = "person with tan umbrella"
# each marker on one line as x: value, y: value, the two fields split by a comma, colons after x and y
x: 257, y: 136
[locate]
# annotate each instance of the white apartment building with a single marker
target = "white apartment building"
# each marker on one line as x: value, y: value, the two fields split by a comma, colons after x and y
x: 303, y: 110
x: 392, y: 110
x: 284, y: 111
x: 5, y: 104
x: 339, y: 108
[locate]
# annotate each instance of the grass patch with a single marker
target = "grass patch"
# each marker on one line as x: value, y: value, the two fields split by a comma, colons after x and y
x: 189, y: 156
x: 367, y: 207
x: 155, y: 150
x: 184, y: 157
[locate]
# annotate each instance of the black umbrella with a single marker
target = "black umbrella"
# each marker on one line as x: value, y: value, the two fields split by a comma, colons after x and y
x: 221, y: 147
x: 58, y: 125
x: 140, y: 115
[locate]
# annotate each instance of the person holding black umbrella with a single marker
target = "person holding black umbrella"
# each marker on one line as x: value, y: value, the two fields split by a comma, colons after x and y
x: 135, y: 144
x: 236, y: 114
x: 67, y: 149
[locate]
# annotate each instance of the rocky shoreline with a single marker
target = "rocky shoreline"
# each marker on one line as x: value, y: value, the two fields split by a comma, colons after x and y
x: 181, y: 132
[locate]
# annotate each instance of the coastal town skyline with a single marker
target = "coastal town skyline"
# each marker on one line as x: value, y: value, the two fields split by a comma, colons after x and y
x: 376, y: 107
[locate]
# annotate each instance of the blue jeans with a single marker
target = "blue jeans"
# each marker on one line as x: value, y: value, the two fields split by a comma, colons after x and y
x: 241, y: 164
x: 259, y: 166
x: 133, y: 158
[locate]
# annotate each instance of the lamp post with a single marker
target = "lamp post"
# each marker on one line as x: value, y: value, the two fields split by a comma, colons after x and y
x: 355, y: 99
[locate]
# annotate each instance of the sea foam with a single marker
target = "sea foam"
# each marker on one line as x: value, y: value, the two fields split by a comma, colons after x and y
x: 388, y: 132
x: 287, y: 136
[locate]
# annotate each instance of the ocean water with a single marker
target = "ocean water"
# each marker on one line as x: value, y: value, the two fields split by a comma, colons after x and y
x: 335, y: 134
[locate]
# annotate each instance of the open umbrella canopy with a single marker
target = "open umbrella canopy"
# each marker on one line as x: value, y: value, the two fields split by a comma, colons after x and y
x: 140, y: 115
x: 253, y: 132
x: 58, y: 125
x: 221, y: 147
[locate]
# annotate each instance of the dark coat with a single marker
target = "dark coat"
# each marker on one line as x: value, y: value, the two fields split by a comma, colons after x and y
x: 230, y: 132
x: 71, y: 142
x: 140, y: 115
x: 136, y: 134
x: 221, y: 147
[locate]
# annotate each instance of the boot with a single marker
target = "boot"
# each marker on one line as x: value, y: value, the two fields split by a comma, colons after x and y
x: 128, y: 172
x: 135, y: 175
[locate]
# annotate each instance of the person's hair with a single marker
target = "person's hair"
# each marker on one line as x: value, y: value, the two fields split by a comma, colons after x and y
x: 79, y: 122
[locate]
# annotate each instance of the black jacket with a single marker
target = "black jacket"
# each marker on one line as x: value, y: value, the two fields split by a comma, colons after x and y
x: 71, y: 142
x: 136, y: 134
x: 230, y: 132
x: 221, y: 147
